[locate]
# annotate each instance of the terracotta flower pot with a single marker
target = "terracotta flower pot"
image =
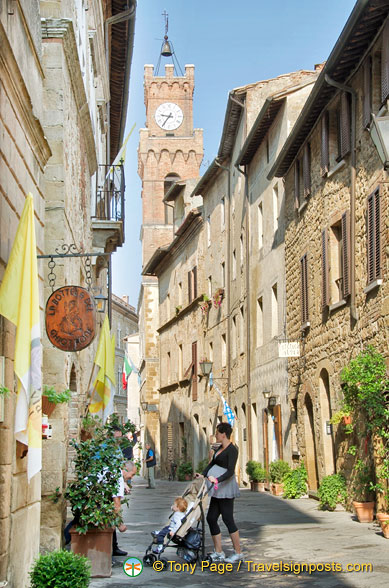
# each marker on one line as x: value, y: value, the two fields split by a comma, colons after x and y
x: 364, y: 511
x: 47, y: 406
x: 257, y: 486
x: 277, y: 489
x: 96, y: 545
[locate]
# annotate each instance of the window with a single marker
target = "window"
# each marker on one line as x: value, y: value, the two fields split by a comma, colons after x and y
x: 274, y: 311
x: 209, y: 286
x: 241, y: 331
x: 336, y: 133
x: 373, y: 229
x: 259, y: 322
x: 210, y: 352
x: 241, y: 251
x: 180, y: 294
x: 223, y: 213
x: 180, y: 362
x: 302, y: 177
x: 224, y: 350
x: 260, y: 225
x: 234, y: 264
x: 275, y: 207
x: 194, y: 370
x: 233, y: 337
x: 304, y: 290
x: 208, y: 231
x: 223, y: 276
x: 192, y: 284
x: 335, y: 261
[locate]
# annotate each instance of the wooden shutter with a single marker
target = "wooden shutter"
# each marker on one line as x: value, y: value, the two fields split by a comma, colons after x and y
x: 189, y: 287
x: 194, y: 370
x: 373, y: 237
x: 194, y: 272
x: 304, y: 288
x: 307, y: 170
x: 265, y: 431
x: 325, y: 289
x: 346, y: 254
x: 297, y: 185
x: 325, y: 144
x: 278, y: 429
x: 345, y: 124
x: 367, y: 92
x: 385, y: 64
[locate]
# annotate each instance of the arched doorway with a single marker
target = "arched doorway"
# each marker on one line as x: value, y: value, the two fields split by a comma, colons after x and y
x: 325, y: 410
x: 310, y: 444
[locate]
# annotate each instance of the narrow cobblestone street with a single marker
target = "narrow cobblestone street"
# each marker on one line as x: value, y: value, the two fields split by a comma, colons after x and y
x: 272, y: 530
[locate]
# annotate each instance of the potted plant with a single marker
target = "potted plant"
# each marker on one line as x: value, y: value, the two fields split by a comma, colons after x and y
x: 97, y: 469
x: 257, y: 475
x: 278, y: 470
x: 60, y: 568
x: 296, y: 483
x: 205, y: 304
x: 218, y: 297
x: 185, y: 471
x: 50, y: 399
x: 365, y: 387
x: 332, y: 491
x: 363, y: 492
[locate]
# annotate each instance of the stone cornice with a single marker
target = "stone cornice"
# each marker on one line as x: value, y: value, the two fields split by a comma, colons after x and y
x: 62, y: 28
x: 12, y: 80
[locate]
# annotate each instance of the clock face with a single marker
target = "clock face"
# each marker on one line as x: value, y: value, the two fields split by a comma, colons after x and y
x: 169, y: 116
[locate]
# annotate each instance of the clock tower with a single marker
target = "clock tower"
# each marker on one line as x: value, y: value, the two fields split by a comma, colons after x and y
x: 170, y: 149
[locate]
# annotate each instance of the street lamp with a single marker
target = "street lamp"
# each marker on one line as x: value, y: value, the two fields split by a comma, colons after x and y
x: 206, y: 367
x: 379, y: 132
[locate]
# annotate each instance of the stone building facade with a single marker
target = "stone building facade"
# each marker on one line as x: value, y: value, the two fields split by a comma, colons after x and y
x: 124, y: 323
x: 336, y: 234
x: 164, y: 155
x: 56, y: 95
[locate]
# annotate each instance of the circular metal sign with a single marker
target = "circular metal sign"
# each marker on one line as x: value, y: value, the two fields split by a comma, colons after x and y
x: 70, y: 318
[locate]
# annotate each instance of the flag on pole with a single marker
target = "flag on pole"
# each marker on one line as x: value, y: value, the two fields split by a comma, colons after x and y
x: 19, y: 303
x: 227, y: 410
x: 121, y: 156
x: 103, y: 391
x: 127, y: 371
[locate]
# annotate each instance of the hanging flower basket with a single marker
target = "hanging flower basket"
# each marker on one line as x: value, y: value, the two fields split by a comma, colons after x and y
x: 218, y: 297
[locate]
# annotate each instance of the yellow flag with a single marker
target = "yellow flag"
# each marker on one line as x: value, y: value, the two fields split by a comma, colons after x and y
x: 19, y: 303
x: 104, y: 385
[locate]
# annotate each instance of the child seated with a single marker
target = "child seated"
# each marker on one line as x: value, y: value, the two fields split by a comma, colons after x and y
x: 179, y: 508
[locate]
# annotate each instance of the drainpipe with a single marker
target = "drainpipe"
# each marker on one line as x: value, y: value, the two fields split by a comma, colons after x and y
x: 227, y: 289
x: 248, y: 343
x: 331, y: 82
x: 112, y: 20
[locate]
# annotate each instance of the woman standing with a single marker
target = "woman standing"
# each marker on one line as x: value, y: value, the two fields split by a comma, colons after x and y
x: 221, y: 472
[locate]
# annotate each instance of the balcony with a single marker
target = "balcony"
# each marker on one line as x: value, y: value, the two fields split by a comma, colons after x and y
x: 108, y: 217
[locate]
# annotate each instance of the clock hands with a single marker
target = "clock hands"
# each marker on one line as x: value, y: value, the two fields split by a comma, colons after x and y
x: 167, y: 116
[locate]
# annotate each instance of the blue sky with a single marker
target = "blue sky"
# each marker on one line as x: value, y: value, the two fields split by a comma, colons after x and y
x: 231, y: 44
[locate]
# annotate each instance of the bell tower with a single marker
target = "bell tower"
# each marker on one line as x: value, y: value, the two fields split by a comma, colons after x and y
x: 170, y: 149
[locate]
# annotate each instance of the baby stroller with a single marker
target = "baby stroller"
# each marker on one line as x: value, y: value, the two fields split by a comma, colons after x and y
x: 189, y: 539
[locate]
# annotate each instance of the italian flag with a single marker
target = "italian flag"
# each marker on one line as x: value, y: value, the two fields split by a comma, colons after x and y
x: 127, y: 369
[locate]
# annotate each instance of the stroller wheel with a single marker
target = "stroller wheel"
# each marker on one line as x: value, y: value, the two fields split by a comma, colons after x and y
x: 149, y: 559
x: 165, y: 562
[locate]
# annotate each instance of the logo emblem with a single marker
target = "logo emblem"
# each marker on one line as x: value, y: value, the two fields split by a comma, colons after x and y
x: 132, y: 567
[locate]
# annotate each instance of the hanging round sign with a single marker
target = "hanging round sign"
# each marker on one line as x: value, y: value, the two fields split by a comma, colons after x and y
x: 71, y: 318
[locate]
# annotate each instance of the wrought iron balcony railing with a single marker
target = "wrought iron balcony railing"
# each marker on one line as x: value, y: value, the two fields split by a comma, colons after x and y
x: 110, y: 187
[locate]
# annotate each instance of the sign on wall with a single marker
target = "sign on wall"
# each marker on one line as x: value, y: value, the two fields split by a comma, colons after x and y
x: 289, y: 349
x: 71, y: 318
